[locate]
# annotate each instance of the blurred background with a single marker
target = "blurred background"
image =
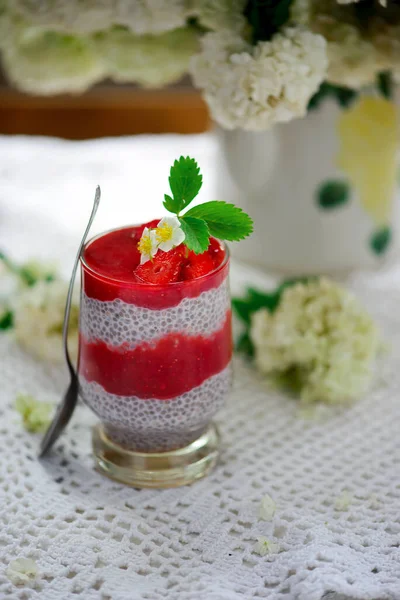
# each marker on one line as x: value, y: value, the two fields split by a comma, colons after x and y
x: 107, y: 109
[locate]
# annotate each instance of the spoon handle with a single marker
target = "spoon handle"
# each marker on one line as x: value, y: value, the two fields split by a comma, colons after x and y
x: 69, y: 401
x: 72, y: 281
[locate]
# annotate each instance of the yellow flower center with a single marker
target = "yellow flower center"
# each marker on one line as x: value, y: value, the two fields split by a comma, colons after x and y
x: 164, y: 233
x: 145, y: 245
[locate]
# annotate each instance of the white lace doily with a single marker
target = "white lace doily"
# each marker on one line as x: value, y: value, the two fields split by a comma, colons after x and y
x: 97, y: 540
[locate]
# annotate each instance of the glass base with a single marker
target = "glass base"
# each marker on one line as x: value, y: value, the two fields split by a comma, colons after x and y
x: 156, y: 470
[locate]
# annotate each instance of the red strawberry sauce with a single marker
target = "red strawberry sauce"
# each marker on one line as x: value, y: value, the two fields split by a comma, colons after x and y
x: 110, y: 261
x: 165, y: 369
x: 162, y: 368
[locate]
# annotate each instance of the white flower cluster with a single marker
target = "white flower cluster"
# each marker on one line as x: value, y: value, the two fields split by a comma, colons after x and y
x: 219, y: 15
x: 322, y: 338
x: 49, y: 62
x: 142, y: 17
x: 151, y: 61
x: 53, y: 46
x: 38, y: 320
x: 357, y: 50
x: 36, y: 415
x: 255, y: 87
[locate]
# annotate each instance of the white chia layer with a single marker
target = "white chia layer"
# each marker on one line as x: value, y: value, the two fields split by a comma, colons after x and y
x: 157, y: 425
x: 118, y: 322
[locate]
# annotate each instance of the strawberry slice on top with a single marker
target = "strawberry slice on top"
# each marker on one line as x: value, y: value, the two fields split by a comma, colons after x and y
x: 164, y: 268
x: 197, y: 265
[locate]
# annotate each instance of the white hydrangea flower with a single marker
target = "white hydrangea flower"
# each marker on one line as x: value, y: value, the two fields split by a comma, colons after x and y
x: 36, y: 415
x: 73, y: 16
x: 151, y: 61
x: 45, y: 63
x: 254, y: 87
x: 152, y: 16
x: 38, y: 321
x: 169, y: 233
x: 88, y: 16
x: 322, y: 337
x: 264, y: 546
x: 22, y: 571
x: 148, y: 245
x: 218, y: 15
x: 267, y: 508
x: 356, y: 52
x: 353, y: 61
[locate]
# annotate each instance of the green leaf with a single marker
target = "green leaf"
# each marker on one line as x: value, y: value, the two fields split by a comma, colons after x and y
x: 266, y: 17
x: 224, y: 221
x: 185, y: 182
x: 196, y: 234
x: 385, y: 84
x: 245, y: 345
x: 343, y: 96
x: 6, y: 320
x: 242, y: 309
x: 169, y: 203
x: 380, y: 240
x: 332, y: 194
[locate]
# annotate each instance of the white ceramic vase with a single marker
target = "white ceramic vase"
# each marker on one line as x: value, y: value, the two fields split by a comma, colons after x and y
x: 314, y: 210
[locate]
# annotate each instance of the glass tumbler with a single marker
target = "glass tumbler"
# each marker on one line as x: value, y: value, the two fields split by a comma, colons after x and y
x: 155, y: 367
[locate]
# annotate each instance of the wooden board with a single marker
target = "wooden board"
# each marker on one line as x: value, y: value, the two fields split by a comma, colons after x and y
x: 104, y: 111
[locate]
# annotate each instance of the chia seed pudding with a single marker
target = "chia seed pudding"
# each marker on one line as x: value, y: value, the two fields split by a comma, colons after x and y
x: 155, y: 358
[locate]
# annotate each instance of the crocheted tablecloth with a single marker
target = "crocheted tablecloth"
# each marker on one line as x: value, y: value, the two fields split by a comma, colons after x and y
x: 98, y: 540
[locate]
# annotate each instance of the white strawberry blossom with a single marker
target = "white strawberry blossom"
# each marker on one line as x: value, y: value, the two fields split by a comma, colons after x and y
x: 169, y: 233
x: 148, y: 245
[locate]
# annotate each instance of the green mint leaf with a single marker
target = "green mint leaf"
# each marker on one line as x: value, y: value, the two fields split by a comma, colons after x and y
x: 185, y: 182
x: 224, y: 221
x: 6, y: 320
x: 196, y: 234
x: 170, y: 204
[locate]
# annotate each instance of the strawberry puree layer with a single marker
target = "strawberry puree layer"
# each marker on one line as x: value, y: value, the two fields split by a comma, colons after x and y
x: 161, y: 369
x: 108, y: 273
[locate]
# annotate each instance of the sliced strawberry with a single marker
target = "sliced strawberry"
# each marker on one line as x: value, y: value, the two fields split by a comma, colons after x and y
x: 197, y: 265
x: 216, y: 251
x: 164, y: 268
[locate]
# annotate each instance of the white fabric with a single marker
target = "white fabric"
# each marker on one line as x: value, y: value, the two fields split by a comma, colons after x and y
x: 98, y: 540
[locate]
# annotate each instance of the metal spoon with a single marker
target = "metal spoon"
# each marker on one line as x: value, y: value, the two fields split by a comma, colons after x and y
x: 67, y: 406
